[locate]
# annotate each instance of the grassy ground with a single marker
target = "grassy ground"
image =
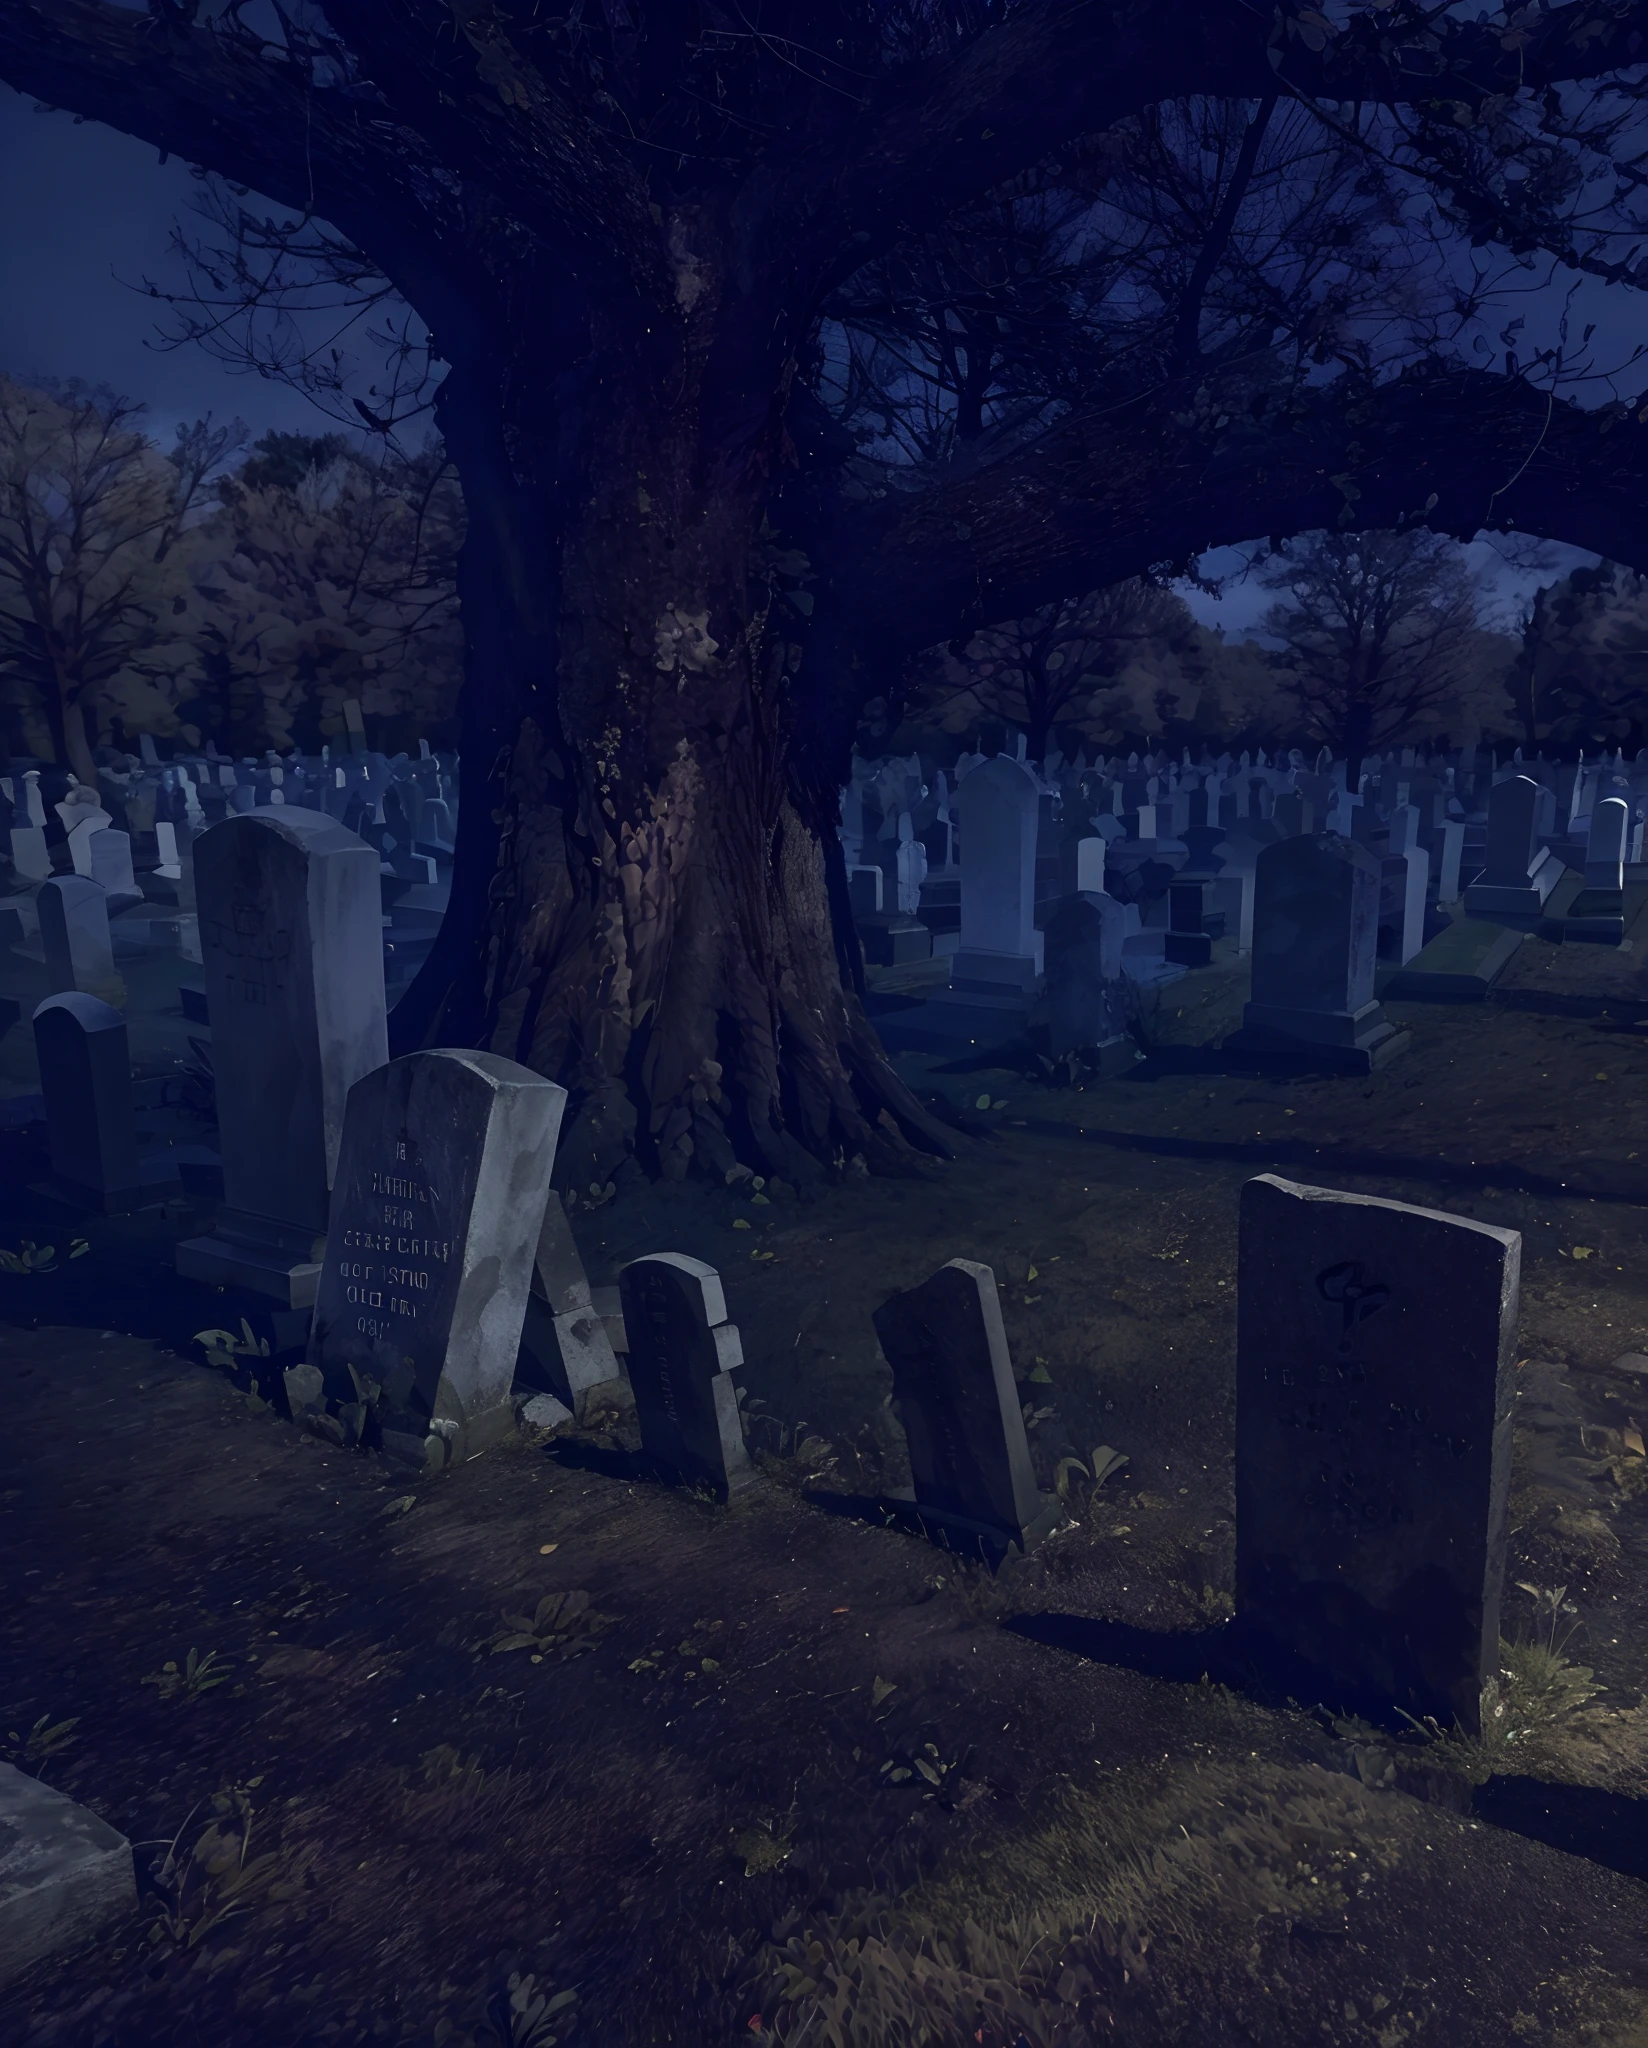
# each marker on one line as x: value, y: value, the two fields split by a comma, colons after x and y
x: 789, y: 1777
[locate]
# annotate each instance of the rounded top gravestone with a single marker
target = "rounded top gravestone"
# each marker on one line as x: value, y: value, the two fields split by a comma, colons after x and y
x: 291, y: 930
x: 1315, y: 924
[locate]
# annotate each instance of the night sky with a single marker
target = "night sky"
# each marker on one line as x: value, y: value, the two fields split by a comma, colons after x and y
x: 85, y: 217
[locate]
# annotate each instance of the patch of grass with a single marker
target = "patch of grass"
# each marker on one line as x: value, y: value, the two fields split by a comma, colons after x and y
x: 524, y: 2014
x: 46, y: 1740
x: 198, y: 1674
x: 217, y: 1877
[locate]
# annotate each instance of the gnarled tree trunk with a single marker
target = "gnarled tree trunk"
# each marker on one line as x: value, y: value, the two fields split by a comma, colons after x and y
x: 650, y: 905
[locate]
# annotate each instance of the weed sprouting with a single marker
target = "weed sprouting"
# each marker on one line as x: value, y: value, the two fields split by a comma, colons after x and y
x: 198, y: 1674
x: 44, y: 1741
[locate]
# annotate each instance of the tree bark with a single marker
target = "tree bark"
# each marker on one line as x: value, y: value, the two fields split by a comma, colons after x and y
x: 644, y: 906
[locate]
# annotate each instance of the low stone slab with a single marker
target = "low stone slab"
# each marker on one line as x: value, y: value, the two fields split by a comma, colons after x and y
x: 1459, y: 965
x: 63, y: 1873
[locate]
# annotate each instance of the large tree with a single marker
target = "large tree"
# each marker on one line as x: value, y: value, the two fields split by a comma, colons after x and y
x: 627, y: 232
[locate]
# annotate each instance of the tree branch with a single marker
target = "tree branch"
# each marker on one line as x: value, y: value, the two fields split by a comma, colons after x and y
x: 937, y: 135
x: 1107, y: 496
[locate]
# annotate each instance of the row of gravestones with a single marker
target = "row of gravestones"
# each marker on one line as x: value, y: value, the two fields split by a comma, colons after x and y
x: 409, y: 1202
x: 1374, y: 1339
x: 1309, y: 911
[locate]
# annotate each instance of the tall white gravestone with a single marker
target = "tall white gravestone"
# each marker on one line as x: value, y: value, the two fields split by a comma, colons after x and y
x: 292, y: 947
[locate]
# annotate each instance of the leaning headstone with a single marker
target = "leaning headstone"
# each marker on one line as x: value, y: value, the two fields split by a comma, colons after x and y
x: 291, y: 927
x: 111, y: 867
x: 74, y: 935
x: 1373, y: 1444
x: 91, y: 1125
x: 441, y: 1182
x: 564, y: 1342
x: 64, y: 1874
x: 1086, y: 995
x: 1519, y: 872
x: 682, y: 1352
x: 953, y: 1383
x: 1315, y: 934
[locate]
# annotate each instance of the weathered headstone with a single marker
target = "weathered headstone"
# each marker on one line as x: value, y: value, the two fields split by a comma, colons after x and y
x: 111, y: 867
x: 1315, y: 932
x: 953, y: 1383
x: 1597, y: 913
x: 64, y: 1873
x: 564, y: 1342
x: 91, y: 1125
x: 999, y: 957
x: 682, y: 1351
x: 291, y: 924
x: 1519, y: 873
x: 1373, y: 1443
x: 74, y: 935
x: 441, y: 1182
x: 1086, y: 996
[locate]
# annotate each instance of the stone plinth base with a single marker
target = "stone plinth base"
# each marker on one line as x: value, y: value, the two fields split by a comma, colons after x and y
x: 255, y: 1252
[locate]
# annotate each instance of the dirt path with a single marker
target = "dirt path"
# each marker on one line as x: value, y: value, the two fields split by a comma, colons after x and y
x: 735, y: 1755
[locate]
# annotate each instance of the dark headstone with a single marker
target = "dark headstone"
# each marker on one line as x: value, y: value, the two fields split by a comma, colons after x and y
x: 953, y: 1382
x: 441, y: 1183
x: 86, y: 1079
x: 1373, y: 1443
x: 1082, y: 950
x: 682, y: 1351
x: 292, y: 956
x: 1315, y: 929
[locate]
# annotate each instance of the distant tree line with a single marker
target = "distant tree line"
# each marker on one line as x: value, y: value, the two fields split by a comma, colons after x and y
x: 207, y: 591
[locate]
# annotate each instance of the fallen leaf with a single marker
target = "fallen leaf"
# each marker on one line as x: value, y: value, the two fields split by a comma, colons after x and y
x: 401, y: 1505
x: 741, y: 1223
x: 1584, y: 1251
x: 544, y: 1549
x: 882, y: 1689
x: 1632, y: 1439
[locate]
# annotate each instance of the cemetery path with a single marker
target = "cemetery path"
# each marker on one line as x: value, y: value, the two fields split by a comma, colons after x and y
x: 734, y: 1752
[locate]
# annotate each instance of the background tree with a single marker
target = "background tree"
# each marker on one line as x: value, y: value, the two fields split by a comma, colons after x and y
x: 622, y: 232
x: 1580, y: 679
x: 333, y: 575
x: 1059, y: 668
x: 1373, y: 629
x: 99, y: 534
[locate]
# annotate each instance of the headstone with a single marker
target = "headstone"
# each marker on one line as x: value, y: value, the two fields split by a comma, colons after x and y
x: 1519, y: 873
x: 1597, y: 913
x: 74, y: 935
x: 146, y: 747
x: 682, y: 1351
x: 291, y: 925
x: 953, y: 1385
x: 999, y: 956
x: 354, y: 725
x: 1086, y: 1006
x: 29, y: 853
x: 1375, y: 1344
x: 441, y: 1182
x: 91, y: 1125
x: 64, y: 1874
x: 81, y: 822
x: 111, y: 867
x: 1605, y: 850
x: 1315, y: 937
x: 564, y: 1342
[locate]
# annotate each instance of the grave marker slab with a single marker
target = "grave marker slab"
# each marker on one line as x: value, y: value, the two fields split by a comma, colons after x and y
x: 682, y: 1350
x: 86, y: 1080
x: 953, y: 1382
x: 1086, y: 996
x: 1519, y: 873
x: 1315, y: 933
x: 292, y: 950
x: 74, y: 936
x: 442, y: 1177
x: 63, y: 1873
x: 1375, y: 1344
